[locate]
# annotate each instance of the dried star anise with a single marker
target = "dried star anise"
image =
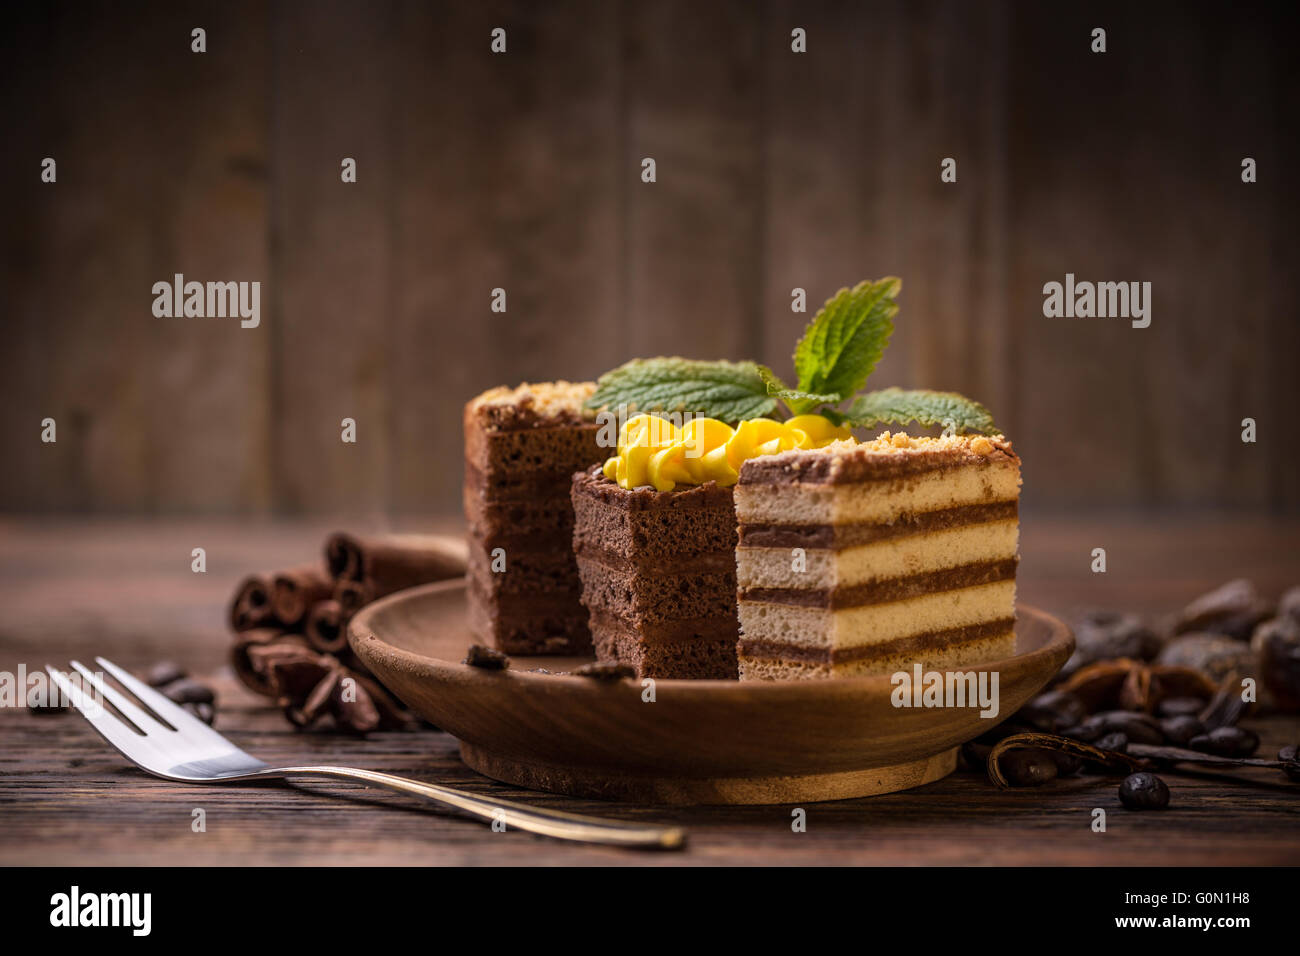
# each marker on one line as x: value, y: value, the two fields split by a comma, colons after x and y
x: 1128, y: 684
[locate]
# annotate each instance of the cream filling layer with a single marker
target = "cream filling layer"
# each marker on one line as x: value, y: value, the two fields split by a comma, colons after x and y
x: 876, y: 623
x: 893, y: 558
x: 875, y: 501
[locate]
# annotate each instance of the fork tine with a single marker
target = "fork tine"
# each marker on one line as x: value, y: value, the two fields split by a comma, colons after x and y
x: 186, y: 723
x: 124, y: 706
x: 109, y: 727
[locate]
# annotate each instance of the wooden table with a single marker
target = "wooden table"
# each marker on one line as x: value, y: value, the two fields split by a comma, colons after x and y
x: 124, y: 589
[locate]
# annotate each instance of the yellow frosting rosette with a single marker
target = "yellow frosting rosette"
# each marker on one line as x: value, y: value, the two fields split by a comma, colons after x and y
x: 654, y: 451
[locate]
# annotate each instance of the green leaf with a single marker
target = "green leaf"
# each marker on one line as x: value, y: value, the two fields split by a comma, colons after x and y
x: 896, y: 406
x: 846, y: 338
x: 729, y: 391
x: 798, y: 401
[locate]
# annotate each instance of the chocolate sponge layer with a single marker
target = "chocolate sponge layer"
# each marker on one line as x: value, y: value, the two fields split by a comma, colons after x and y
x: 658, y: 576
x: 521, y: 449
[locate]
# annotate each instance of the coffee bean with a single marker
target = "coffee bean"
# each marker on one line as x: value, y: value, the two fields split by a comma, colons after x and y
x: 1085, y: 732
x: 1143, y: 791
x: 975, y: 756
x: 1138, y: 728
x: 1226, y: 742
x: 1113, y: 741
x: 1028, y: 768
x: 203, y: 711
x: 489, y: 658
x: 163, y: 673
x: 1290, y: 755
x: 186, y: 691
x: 1180, y: 730
x: 1180, y: 706
x: 1053, y: 710
x: 1067, y: 765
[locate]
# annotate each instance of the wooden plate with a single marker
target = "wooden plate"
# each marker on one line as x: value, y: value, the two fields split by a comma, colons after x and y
x: 721, y: 742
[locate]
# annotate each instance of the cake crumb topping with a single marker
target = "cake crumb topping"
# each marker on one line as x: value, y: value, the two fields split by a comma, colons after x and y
x: 533, y: 403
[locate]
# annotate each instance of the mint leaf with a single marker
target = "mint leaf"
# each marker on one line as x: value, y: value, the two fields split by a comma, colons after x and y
x: 846, y: 338
x: 729, y: 391
x: 798, y: 401
x: 896, y: 406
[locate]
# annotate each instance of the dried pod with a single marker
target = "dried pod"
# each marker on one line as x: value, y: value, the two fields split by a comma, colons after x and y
x: 1233, y: 610
x: 1103, y: 635
x: 1029, y: 768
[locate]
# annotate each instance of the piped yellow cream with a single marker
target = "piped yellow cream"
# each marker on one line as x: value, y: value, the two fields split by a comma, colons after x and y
x: 653, y: 451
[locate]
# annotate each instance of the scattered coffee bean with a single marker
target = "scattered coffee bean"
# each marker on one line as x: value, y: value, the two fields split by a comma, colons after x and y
x: 1180, y: 706
x: 1226, y: 742
x: 1028, y: 768
x: 1276, y: 644
x: 1085, y: 732
x: 186, y: 691
x: 1233, y: 610
x: 601, y: 670
x: 1067, y: 765
x: 975, y: 756
x: 1053, y: 710
x: 1180, y: 730
x: 488, y: 658
x: 163, y: 673
x: 203, y: 711
x: 1288, y: 604
x: 1144, y: 791
x: 1113, y: 741
x: 1138, y: 728
x: 1291, y: 756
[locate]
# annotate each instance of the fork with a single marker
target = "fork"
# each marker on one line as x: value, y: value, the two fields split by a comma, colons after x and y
x: 181, y: 747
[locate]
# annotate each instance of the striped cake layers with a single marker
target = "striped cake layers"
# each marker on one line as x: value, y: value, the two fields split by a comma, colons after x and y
x: 658, y: 573
x: 870, y: 558
x: 522, y: 447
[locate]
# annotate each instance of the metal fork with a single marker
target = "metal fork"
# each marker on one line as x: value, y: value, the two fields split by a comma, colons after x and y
x: 192, y: 752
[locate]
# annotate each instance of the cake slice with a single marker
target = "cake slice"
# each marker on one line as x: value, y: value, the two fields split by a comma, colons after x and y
x: 522, y: 446
x: 658, y: 573
x: 869, y: 558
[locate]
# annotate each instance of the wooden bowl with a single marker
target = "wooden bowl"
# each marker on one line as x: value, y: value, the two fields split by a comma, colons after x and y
x: 708, y: 741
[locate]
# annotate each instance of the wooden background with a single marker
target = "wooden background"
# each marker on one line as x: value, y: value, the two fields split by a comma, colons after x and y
x: 775, y: 170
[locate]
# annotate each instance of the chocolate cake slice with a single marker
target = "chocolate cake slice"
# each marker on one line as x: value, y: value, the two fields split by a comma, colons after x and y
x: 522, y: 446
x: 869, y: 558
x: 658, y: 573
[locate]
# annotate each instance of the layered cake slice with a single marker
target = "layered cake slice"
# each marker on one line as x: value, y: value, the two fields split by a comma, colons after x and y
x: 522, y: 446
x: 870, y: 558
x: 655, y: 538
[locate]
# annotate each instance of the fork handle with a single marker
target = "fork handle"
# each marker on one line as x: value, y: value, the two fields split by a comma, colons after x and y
x: 513, y: 816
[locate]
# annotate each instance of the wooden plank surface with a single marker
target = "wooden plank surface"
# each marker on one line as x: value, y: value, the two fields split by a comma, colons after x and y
x: 124, y: 589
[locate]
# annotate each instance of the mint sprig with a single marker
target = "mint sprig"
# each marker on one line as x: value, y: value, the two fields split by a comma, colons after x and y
x: 845, y: 340
x: 729, y: 391
x: 896, y: 406
x: 837, y: 353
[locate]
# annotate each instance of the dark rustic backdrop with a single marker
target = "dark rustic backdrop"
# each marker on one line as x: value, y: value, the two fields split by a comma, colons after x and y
x: 775, y: 170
